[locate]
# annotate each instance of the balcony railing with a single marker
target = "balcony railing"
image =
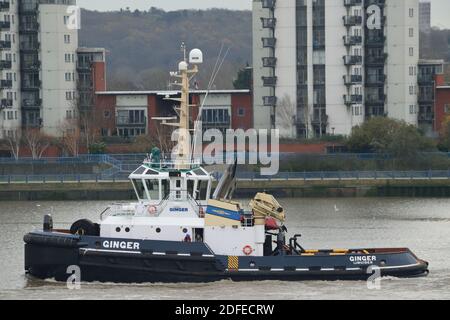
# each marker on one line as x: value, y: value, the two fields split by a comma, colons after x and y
x: 30, y: 27
x: 379, y: 3
x: 376, y: 60
x: 5, y: 45
x: 31, y: 103
x: 269, y: 101
x: 30, y: 46
x: 375, y: 100
x: 269, y: 22
x: 350, y: 21
x: 268, y: 4
x: 269, y: 42
x: 4, y: 5
x: 353, y: 79
x: 350, y: 3
x: 127, y: 121
x: 269, y: 81
x: 376, y: 79
x: 5, y: 25
x: 4, y: 84
x: 5, y: 64
x: 6, y: 103
x: 352, y: 60
x: 32, y: 65
x: 353, y: 99
x: 269, y: 62
x: 31, y: 85
x: 352, y: 40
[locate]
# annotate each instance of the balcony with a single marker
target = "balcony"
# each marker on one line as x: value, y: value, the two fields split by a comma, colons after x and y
x: 6, y: 84
x: 351, y: 21
x: 6, y: 103
x: 269, y: 42
x: 269, y: 22
x: 5, y: 25
x: 129, y: 122
x: 375, y: 80
x: 353, y: 99
x: 30, y: 46
x: 31, y: 103
x: 351, y: 3
x: 379, y: 3
x: 269, y: 4
x: 378, y: 60
x: 269, y: 62
x: 426, y: 79
x: 5, y: 45
x: 375, y: 41
x: 426, y: 98
x: 31, y: 27
x: 352, y: 40
x: 269, y: 81
x: 269, y: 101
x: 28, y: 8
x: 353, y: 79
x: 31, y: 85
x: 352, y: 60
x: 5, y: 64
x: 375, y: 100
x: 4, y: 5
x: 30, y: 65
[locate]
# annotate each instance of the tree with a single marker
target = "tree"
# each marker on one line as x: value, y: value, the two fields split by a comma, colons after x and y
x: 71, y: 137
x: 14, y: 142
x: 444, y: 141
x: 384, y: 135
x: 36, y: 141
x: 244, y: 79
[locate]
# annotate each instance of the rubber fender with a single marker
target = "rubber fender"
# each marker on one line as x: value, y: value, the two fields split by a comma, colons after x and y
x: 51, y: 240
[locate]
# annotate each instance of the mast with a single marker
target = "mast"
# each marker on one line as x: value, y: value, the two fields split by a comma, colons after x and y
x: 184, y: 152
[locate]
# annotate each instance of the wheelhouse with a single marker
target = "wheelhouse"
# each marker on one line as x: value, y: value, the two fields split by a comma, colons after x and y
x: 155, y: 184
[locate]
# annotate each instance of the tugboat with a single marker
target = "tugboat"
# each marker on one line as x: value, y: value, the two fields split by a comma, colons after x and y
x: 178, y: 230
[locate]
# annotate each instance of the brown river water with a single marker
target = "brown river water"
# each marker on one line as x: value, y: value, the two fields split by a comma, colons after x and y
x: 423, y: 225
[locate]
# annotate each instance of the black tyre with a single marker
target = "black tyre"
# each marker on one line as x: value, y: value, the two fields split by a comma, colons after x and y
x: 85, y: 227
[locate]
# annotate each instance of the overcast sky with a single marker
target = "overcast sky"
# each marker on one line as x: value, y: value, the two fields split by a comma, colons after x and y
x: 440, y: 8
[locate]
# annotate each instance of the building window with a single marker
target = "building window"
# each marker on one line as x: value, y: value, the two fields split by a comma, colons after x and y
x: 411, y: 32
x: 67, y: 38
x: 447, y: 108
x: 412, y: 109
x: 68, y: 95
x: 241, y: 112
x: 411, y: 12
x: 68, y: 76
x: 106, y: 114
x: 411, y: 52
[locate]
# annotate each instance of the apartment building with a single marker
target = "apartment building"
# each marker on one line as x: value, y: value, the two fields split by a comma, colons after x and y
x: 322, y: 67
x: 425, y: 16
x: 38, y: 65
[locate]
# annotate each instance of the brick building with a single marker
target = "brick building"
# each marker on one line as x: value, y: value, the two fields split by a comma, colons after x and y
x: 442, y: 102
x: 129, y: 114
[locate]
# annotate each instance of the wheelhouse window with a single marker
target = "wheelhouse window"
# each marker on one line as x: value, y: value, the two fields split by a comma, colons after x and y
x: 140, y: 189
x: 153, y: 189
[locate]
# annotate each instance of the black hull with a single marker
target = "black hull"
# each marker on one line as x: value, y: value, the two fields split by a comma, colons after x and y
x: 50, y: 260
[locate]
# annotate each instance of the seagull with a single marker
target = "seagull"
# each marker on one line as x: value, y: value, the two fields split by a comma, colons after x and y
x: 336, y: 209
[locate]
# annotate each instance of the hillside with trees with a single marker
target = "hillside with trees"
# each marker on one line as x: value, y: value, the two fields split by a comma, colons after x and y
x: 143, y: 46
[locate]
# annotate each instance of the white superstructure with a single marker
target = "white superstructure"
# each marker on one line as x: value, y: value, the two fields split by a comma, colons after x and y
x: 322, y: 67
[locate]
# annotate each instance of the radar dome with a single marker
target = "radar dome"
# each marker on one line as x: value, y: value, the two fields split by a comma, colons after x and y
x: 196, y: 56
x: 182, y: 66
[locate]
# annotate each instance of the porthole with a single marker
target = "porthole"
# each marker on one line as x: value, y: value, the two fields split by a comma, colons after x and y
x: 158, y: 230
x: 185, y: 230
x: 127, y: 229
x: 252, y: 264
x: 118, y: 229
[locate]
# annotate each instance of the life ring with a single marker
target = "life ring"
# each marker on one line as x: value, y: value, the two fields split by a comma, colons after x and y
x: 247, y: 250
x: 152, y: 210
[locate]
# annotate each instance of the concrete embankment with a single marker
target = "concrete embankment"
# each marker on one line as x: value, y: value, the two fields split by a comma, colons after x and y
x: 122, y: 190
